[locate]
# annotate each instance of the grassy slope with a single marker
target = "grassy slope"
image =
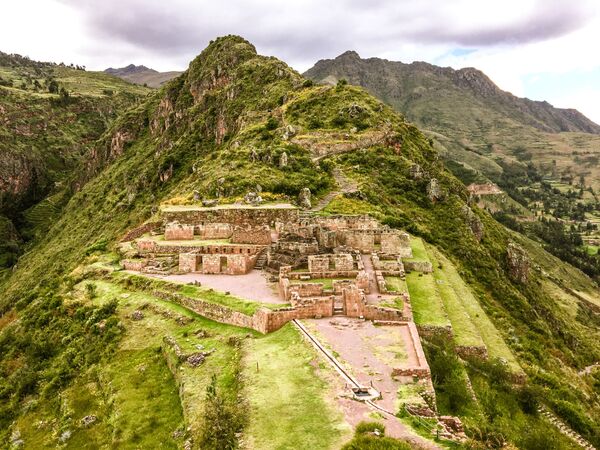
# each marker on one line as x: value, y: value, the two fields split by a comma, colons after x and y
x: 165, y: 158
x: 290, y: 401
x: 44, y: 142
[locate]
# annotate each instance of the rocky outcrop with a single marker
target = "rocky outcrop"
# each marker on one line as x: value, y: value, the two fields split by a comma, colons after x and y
x: 434, y: 191
x: 474, y: 222
x: 304, y: 198
x: 518, y: 263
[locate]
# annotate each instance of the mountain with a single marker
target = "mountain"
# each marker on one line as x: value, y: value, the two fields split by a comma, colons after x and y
x: 477, y: 123
x: 143, y: 75
x: 51, y: 115
x: 544, y: 159
x: 86, y: 346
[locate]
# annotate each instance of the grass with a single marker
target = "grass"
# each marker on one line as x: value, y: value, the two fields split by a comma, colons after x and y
x: 488, y: 333
x: 396, y: 284
x: 418, y: 250
x: 465, y: 332
x: 197, y: 292
x: 289, y: 402
x: 425, y: 299
x: 592, y: 249
x: 396, y: 303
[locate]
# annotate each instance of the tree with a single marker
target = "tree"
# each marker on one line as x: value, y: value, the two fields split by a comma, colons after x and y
x: 53, y: 87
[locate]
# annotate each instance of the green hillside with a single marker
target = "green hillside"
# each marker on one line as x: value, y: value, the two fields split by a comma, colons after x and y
x: 70, y: 347
x: 51, y: 116
x: 545, y: 159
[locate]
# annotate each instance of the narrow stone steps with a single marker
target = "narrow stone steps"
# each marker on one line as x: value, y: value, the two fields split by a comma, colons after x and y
x: 564, y: 428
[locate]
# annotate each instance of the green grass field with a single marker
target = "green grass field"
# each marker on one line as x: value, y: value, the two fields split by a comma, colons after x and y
x: 396, y: 284
x: 465, y: 332
x: 290, y: 405
x: 425, y: 299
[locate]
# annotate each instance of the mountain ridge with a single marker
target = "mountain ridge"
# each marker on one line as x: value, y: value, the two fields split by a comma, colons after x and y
x: 142, y: 75
x: 544, y: 116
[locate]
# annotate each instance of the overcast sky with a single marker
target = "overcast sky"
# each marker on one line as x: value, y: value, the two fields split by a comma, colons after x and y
x: 541, y: 49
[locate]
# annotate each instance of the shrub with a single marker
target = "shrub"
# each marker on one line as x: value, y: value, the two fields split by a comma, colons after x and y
x: 308, y: 83
x: 90, y: 291
x: 370, y: 427
x: 272, y: 123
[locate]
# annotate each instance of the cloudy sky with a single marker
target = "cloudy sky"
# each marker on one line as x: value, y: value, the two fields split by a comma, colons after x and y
x: 541, y: 49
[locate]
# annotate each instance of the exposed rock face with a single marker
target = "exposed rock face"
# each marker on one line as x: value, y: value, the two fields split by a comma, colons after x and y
x: 518, y: 263
x: 304, y: 198
x: 252, y: 198
x: 416, y: 172
x: 288, y: 132
x: 474, y: 222
x: 283, y: 160
x: 434, y: 191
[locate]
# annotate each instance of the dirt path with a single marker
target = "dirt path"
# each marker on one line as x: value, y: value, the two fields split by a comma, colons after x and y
x: 344, y: 184
x: 251, y: 286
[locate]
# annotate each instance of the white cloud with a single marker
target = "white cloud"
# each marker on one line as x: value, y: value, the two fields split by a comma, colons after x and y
x: 511, y: 39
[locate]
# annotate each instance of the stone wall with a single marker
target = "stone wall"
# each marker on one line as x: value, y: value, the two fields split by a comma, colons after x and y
x: 178, y: 232
x: 150, y: 246
x: 214, y: 231
x: 134, y: 264
x: 354, y: 301
x: 256, y: 236
x: 236, y: 264
x: 466, y: 351
x: 380, y: 313
x: 343, y: 261
x: 235, y: 216
x: 306, y: 289
x: 418, y: 266
x: 363, y: 282
x: 394, y: 243
x: 318, y: 263
x: 141, y: 230
x: 363, y: 241
x: 188, y: 262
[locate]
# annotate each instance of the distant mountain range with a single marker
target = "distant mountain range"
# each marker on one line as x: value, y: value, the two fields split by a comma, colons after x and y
x: 474, y: 123
x: 142, y: 75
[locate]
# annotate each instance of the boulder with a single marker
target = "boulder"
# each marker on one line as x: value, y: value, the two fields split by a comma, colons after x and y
x: 416, y: 172
x: 304, y: 198
x: 137, y: 315
x: 210, y: 202
x: 434, y: 191
x: 252, y: 198
x: 288, y: 132
x: 283, y: 160
x: 88, y: 420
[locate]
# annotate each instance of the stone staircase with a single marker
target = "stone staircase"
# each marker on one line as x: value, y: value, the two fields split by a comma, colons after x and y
x: 564, y: 428
x: 261, y: 260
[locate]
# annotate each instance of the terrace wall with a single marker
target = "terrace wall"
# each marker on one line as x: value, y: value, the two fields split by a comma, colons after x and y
x: 233, y: 216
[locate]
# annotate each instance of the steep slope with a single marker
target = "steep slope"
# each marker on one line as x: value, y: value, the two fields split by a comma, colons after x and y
x: 142, y: 75
x: 221, y: 129
x: 50, y: 115
x: 545, y: 159
x: 479, y: 124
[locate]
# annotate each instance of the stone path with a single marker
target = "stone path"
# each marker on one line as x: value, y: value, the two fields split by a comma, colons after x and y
x: 587, y: 370
x: 564, y: 428
x: 251, y: 286
x: 344, y: 184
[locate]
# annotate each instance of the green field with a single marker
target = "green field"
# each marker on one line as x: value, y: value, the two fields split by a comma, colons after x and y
x: 425, y: 299
x: 291, y: 406
x: 465, y: 332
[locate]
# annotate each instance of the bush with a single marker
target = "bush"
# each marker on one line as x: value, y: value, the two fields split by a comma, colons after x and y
x: 90, y: 291
x: 272, y: 123
x: 370, y: 427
